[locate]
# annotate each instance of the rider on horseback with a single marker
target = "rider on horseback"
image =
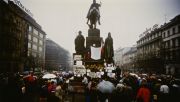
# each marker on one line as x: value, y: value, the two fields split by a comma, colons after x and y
x: 95, y: 6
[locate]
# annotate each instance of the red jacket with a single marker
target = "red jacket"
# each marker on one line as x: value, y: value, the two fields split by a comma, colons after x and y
x: 144, y: 94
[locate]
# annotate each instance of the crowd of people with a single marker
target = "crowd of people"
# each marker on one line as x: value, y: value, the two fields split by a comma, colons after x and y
x: 126, y: 87
x: 137, y: 88
x: 15, y: 87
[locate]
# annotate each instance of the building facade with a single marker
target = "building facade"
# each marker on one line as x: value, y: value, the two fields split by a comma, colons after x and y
x: 158, y: 49
x: 171, y: 46
x: 36, y: 45
x: 149, y: 50
x: 16, y: 27
x: 56, y: 57
x: 129, y: 60
x: 118, y: 56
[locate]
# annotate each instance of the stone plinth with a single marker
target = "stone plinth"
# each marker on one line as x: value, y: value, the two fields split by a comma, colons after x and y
x: 93, y: 41
x: 94, y: 32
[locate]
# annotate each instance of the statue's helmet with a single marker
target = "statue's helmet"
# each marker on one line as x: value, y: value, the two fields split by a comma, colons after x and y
x: 94, y: 1
x: 80, y: 32
x: 109, y: 34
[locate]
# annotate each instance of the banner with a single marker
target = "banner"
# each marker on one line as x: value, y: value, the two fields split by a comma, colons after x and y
x: 95, y: 53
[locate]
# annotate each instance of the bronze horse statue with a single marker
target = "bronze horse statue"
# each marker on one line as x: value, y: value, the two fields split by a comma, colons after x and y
x: 93, y: 17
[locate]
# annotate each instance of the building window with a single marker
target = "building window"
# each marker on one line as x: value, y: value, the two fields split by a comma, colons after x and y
x: 40, y: 42
x: 177, y: 55
x: 40, y: 55
x: 29, y: 45
x: 173, y: 30
x: 166, y: 57
x: 40, y: 35
x: 159, y: 34
x: 176, y: 42
x: 171, y: 43
x: 167, y: 44
x: 178, y: 28
x: 35, y: 31
x: 40, y: 49
x: 34, y: 47
x: 28, y: 53
x: 29, y: 36
x: 171, y: 55
x: 156, y: 35
x: 153, y: 36
x: 168, y: 33
x: 35, y: 39
x: 34, y: 54
x: 30, y: 28
x: 164, y: 34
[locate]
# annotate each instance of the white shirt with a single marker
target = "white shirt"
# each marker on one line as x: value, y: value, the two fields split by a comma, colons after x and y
x: 164, y: 89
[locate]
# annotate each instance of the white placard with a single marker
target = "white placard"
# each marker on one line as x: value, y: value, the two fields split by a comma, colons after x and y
x: 112, y: 75
x: 79, y: 70
x: 88, y: 70
x: 92, y: 75
x: 98, y: 74
x: 77, y: 57
x: 78, y: 62
x: 109, y: 71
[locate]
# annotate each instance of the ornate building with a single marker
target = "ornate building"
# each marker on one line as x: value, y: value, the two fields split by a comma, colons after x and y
x: 16, y: 27
x: 149, y: 50
x: 158, y: 49
x: 118, y: 56
x: 129, y: 60
x: 171, y: 46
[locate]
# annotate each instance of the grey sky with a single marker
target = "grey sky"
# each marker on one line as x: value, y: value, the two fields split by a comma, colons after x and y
x: 125, y: 19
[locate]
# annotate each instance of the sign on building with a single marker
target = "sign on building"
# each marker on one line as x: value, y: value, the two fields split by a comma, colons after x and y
x: 19, y: 4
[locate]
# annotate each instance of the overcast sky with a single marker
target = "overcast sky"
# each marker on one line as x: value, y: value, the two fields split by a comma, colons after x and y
x: 125, y: 19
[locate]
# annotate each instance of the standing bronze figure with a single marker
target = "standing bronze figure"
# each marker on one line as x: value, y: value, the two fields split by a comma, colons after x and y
x: 79, y: 44
x: 109, y: 50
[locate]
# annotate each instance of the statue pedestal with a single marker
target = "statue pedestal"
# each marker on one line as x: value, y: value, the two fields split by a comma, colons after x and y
x: 94, y: 32
x: 93, y: 41
x: 93, y: 38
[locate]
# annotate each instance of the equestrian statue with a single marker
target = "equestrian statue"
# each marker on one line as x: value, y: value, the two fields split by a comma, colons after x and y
x: 93, y: 15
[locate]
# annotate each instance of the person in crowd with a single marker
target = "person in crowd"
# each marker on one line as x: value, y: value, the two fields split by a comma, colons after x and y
x: 59, y: 92
x: 143, y: 94
x: 85, y: 80
x: 175, y: 90
x: 164, y: 92
x: 51, y: 87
